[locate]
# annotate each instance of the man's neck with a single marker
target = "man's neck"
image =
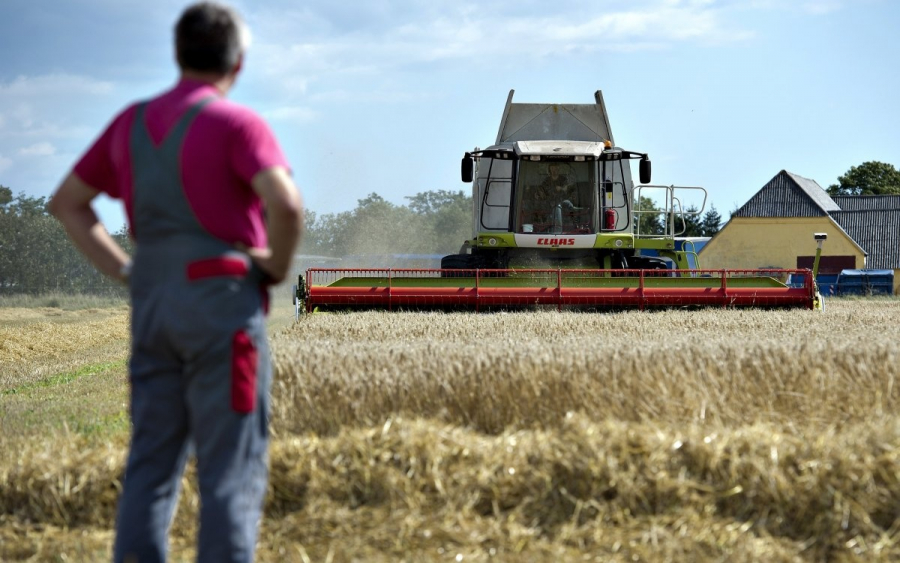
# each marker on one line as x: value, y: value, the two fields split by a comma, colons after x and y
x: 222, y: 83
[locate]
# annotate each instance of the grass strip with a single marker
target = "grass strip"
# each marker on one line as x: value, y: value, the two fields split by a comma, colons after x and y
x: 67, y: 301
x: 66, y: 378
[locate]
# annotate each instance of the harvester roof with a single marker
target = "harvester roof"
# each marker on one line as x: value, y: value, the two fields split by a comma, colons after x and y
x: 560, y: 148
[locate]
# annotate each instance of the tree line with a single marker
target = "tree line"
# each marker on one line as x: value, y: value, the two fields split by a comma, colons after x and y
x: 869, y: 178
x: 37, y: 257
x: 435, y: 222
x: 438, y: 222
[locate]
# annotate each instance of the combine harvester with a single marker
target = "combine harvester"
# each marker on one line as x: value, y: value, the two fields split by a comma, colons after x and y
x: 555, y: 224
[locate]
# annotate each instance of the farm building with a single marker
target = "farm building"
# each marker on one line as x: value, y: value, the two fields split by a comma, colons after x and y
x: 774, y: 229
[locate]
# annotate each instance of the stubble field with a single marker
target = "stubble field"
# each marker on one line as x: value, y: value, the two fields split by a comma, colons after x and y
x: 710, y: 435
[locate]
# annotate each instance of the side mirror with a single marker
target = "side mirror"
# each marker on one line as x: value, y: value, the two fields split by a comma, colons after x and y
x: 467, y: 167
x: 644, y: 168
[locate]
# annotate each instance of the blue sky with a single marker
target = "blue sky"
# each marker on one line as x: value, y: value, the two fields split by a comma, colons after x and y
x: 385, y: 96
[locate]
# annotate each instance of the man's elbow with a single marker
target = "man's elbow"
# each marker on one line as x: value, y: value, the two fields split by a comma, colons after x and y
x: 286, y: 202
x: 56, y: 204
x: 53, y: 207
x: 289, y: 209
x: 61, y: 209
x: 71, y: 198
x: 293, y: 205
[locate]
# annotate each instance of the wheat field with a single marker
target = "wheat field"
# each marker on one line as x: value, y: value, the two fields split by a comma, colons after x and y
x: 703, y: 435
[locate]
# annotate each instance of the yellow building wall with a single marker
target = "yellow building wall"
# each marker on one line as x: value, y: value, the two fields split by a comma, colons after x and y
x: 775, y: 242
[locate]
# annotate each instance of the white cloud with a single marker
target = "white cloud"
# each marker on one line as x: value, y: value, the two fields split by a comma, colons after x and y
x: 820, y: 7
x: 48, y: 119
x: 46, y: 106
x: 383, y: 95
x: 291, y: 113
x: 38, y: 149
x: 814, y: 7
x: 31, y: 86
x: 318, y: 42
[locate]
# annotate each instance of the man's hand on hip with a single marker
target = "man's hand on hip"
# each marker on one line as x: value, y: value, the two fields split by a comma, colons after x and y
x: 284, y: 222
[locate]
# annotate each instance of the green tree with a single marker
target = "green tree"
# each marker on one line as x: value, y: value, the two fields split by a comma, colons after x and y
x: 648, y: 218
x: 5, y: 197
x: 432, y: 203
x: 711, y: 223
x: 692, y: 223
x: 869, y: 178
x: 433, y: 222
x: 446, y: 216
x: 381, y: 227
x: 37, y: 256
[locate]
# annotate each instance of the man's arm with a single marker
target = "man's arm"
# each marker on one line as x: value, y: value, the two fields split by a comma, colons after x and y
x: 284, y: 221
x: 71, y: 204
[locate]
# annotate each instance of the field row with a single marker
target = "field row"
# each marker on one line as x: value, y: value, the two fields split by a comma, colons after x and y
x: 419, y: 490
x: 491, y: 372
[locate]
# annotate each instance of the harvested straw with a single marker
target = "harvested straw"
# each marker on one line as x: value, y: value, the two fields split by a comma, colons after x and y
x: 33, y: 349
x: 423, y: 490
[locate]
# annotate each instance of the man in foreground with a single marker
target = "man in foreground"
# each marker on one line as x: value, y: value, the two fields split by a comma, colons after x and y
x: 216, y: 219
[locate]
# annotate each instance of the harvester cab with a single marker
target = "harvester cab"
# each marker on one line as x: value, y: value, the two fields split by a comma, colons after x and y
x: 555, y: 192
x: 557, y: 220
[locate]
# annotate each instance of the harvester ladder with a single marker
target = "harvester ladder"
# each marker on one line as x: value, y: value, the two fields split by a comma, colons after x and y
x: 668, y: 211
x: 691, y: 252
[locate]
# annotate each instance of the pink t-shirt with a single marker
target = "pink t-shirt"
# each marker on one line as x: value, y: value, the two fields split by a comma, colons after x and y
x: 224, y: 148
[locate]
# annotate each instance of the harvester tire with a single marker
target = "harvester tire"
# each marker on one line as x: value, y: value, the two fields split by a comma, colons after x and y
x: 648, y: 263
x: 460, y: 262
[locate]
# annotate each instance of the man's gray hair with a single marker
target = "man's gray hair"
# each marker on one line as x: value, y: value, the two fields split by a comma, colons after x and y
x: 210, y: 37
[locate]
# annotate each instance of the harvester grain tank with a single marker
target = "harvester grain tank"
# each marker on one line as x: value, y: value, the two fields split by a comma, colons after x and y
x: 557, y: 220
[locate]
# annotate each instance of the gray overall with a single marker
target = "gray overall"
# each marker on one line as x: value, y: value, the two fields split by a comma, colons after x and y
x: 199, y: 369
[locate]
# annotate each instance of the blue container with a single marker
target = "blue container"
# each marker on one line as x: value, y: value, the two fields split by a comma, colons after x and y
x: 691, y: 245
x: 827, y: 282
x: 865, y: 282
